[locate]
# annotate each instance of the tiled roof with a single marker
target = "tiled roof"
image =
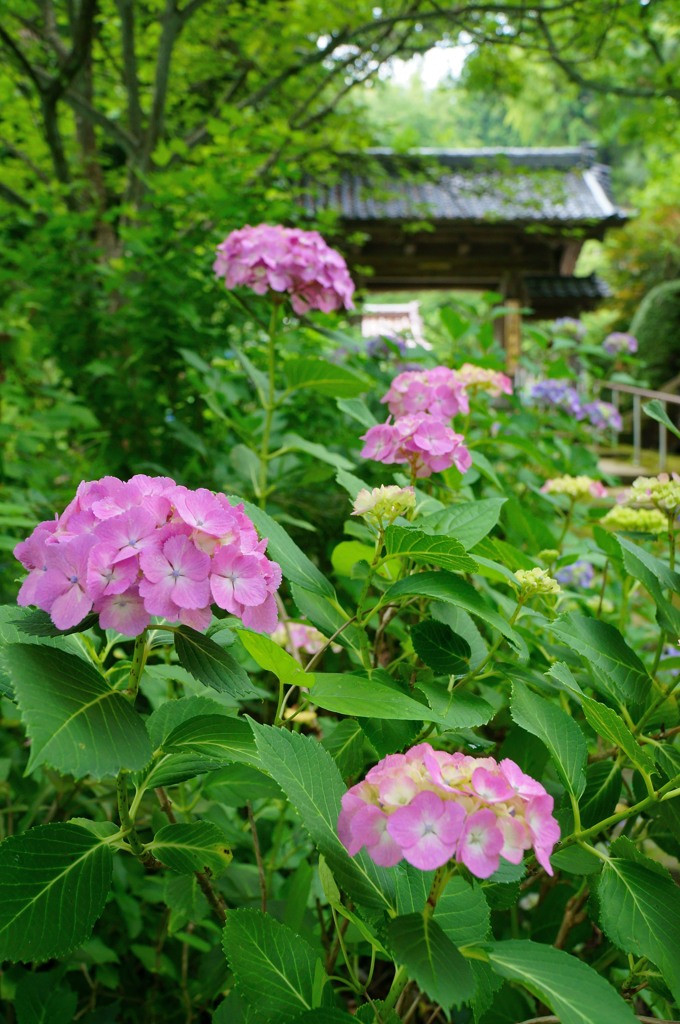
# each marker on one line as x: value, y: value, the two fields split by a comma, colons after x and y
x: 559, y: 186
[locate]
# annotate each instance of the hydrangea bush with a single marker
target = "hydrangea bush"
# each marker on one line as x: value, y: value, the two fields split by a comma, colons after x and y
x: 389, y: 734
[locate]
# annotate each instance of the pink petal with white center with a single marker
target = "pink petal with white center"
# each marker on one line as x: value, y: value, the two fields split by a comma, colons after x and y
x: 516, y: 838
x: 106, y: 578
x: 397, y: 790
x: 202, y: 511
x: 125, y: 613
x: 491, y: 786
x: 70, y: 608
x: 523, y: 785
x: 481, y: 843
x: 191, y: 594
x: 369, y: 829
x: 158, y: 598
x: 427, y: 830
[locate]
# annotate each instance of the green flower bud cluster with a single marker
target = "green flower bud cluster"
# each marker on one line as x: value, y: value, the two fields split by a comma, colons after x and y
x: 662, y: 491
x: 536, y: 581
x: 635, y: 520
x: 578, y: 488
x: 383, y: 505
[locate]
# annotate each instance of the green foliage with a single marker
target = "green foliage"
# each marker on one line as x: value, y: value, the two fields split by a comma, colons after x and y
x: 656, y: 325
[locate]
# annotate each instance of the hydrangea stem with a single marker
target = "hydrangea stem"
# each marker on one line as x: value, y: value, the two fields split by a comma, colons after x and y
x: 139, y: 657
x: 269, y: 407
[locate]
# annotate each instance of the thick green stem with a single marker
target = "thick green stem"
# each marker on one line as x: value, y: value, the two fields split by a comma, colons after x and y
x: 399, y: 983
x: 269, y: 408
x: 141, y: 652
x: 126, y: 822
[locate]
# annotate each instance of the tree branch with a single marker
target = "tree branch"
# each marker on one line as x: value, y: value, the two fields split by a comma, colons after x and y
x: 130, y: 74
x: 10, y: 196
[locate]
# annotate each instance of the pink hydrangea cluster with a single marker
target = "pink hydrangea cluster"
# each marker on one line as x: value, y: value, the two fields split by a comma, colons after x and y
x: 437, y: 392
x: 421, y: 440
x: 298, y: 636
x: 427, y: 806
x: 477, y: 378
x: 273, y: 258
x: 148, y: 546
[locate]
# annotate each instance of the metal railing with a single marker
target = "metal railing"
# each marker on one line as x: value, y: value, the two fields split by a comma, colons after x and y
x: 640, y: 394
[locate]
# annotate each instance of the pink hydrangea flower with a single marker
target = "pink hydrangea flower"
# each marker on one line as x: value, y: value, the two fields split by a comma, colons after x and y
x: 421, y: 440
x: 437, y: 392
x: 428, y: 807
x: 277, y: 259
x: 142, y: 547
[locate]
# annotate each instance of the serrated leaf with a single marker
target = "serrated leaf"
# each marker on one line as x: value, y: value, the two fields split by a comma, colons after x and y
x: 296, y: 567
x: 451, y: 589
x: 76, y: 722
x: 408, y: 542
x: 456, y: 710
x: 431, y: 959
x: 173, y: 713
x: 38, y: 623
x: 440, y: 648
x: 558, y: 730
x: 43, y: 997
x: 365, y: 698
x: 463, y: 913
x: 604, y: 650
x: 191, y: 847
x: 211, y: 664
x: 611, y: 726
x: 217, y: 737
x: 54, y: 880
x: 274, y: 967
x: 572, y: 989
x: 468, y: 524
x: 310, y: 779
x: 324, y: 377
x: 273, y: 658
x: 655, y: 575
x: 640, y: 913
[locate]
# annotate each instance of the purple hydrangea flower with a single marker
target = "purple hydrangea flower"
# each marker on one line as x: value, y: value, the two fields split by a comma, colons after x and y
x: 578, y: 574
x: 620, y: 343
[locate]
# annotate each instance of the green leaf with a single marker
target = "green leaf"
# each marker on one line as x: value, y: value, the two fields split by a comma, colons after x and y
x: 456, y: 710
x: 172, y: 713
x: 640, y: 913
x: 654, y: 575
x: 572, y: 989
x: 347, y: 553
x: 358, y: 410
x: 310, y: 779
x: 468, y: 524
x: 38, y: 623
x: 608, y: 724
x: 215, y: 736
x: 407, y: 542
x: 323, y: 377
x: 463, y: 913
x: 558, y: 730
x: 431, y: 959
x: 211, y: 664
x: 191, y: 847
x: 43, y: 998
x: 295, y: 565
x: 326, y: 616
x: 366, y: 698
x: 444, y: 586
x: 76, y: 722
x: 440, y: 648
x: 11, y: 621
x: 602, y: 647
x: 273, y: 658
x: 656, y: 411
x: 317, y: 451
x: 274, y: 968
x: 54, y: 880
